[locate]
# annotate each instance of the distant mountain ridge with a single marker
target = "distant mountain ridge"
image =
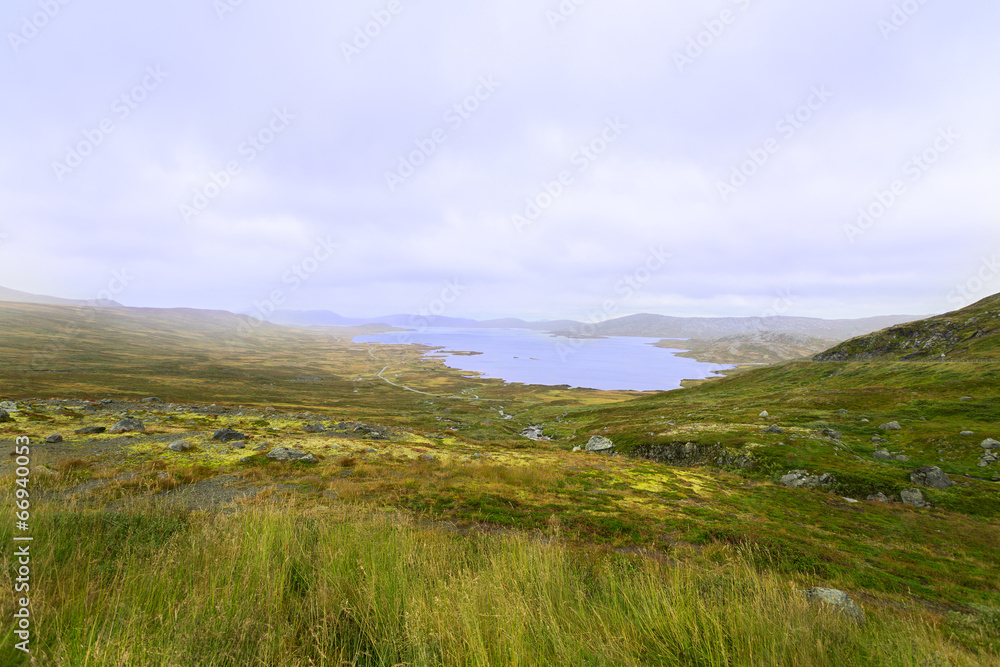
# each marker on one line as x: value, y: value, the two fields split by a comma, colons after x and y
x: 15, y: 296
x: 971, y: 333
x: 644, y: 325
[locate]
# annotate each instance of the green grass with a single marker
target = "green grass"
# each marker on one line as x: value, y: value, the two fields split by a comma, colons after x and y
x: 288, y: 585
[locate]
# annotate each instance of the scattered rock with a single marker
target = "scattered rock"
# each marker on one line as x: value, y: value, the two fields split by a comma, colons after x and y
x: 965, y: 398
x: 287, y: 454
x: 879, y: 498
x: 128, y: 424
x: 427, y: 457
x: 599, y: 443
x: 891, y: 426
x: 228, y: 435
x: 5, y: 416
x: 735, y: 460
x: 54, y: 439
x: 932, y: 477
x: 865, y: 421
x: 967, y: 433
x: 839, y: 600
x: 882, y: 455
x: 151, y: 399
x: 763, y: 414
x: 830, y: 433
x: 247, y: 459
x: 989, y: 443
x: 902, y: 457
x: 9, y: 406
x: 799, y: 478
x: 913, y: 497
x: 842, y: 411
x: 578, y: 449
x: 533, y: 433
x: 314, y: 428
x: 774, y: 428
x: 180, y: 446
x: 90, y: 430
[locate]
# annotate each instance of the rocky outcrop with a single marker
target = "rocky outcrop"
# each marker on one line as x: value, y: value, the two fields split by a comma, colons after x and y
x: 839, y: 600
x: 891, y: 426
x: 228, y: 435
x: 801, y: 478
x: 5, y: 416
x: 533, y: 433
x: 53, y: 439
x: 913, y: 497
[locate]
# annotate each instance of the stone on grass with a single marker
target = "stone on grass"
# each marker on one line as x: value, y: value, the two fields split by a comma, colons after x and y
x: 180, y: 446
x: 902, y: 457
x: 882, y: 455
x: 288, y: 454
x: 151, y: 399
x: 774, y: 428
x: 90, y: 430
x: 4, y: 416
x: 932, y: 477
x: 879, y: 498
x: 53, y: 439
x: 913, y: 497
x: 891, y: 426
x: 763, y: 414
x: 314, y: 428
x: 839, y: 600
x: 967, y: 433
x: 830, y: 433
x: 128, y: 424
x: 598, y: 443
x: 989, y: 443
x: 228, y: 435
x: 801, y: 478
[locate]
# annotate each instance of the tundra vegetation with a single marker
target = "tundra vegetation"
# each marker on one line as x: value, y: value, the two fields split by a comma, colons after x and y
x: 427, y: 529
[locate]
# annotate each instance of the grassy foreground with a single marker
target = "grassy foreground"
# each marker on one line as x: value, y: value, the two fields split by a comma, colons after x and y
x: 293, y: 585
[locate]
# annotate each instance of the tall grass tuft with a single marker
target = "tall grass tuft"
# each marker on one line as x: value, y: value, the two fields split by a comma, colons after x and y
x: 286, y: 586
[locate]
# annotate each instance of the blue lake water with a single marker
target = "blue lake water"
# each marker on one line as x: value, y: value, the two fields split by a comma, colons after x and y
x: 531, y: 357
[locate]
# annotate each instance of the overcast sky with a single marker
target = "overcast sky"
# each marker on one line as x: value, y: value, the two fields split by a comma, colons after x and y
x: 520, y: 158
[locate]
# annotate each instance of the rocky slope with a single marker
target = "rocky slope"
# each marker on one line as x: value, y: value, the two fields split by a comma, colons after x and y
x: 972, y: 333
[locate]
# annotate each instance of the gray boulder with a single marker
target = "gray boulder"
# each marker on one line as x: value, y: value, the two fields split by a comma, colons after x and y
x: 989, y: 443
x: 127, y: 425
x: 882, y: 455
x: 372, y: 431
x: 599, y: 443
x: 4, y: 416
x: 54, y: 439
x: 967, y: 433
x: 9, y: 406
x: 180, y: 446
x: 830, y: 433
x: 891, y: 426
x: 838, y: 600
x: 228, y: 435
x: 90, y: 430
x: 763, y: 414
x: 913, y: 497
x: 879, y: 498
x: 151, y: 399
x: 902, y: 457
x: 774, y: 428
x: 314, y: 428
x: 287, y: 454
x: 931, y: 477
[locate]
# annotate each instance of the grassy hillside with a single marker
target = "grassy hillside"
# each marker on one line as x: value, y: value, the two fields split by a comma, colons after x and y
x: 970, y: 333
x: 437, y: 534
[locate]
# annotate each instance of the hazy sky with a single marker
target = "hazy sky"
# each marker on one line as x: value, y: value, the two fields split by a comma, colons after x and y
x: 582, y: 158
